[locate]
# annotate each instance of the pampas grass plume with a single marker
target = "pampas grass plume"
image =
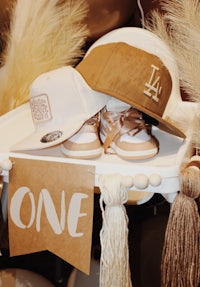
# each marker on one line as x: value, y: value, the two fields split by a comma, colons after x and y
x: 43, y: 35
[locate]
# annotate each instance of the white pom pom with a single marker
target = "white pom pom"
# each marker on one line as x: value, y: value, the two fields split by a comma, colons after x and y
x: 141, y: 181
x: 195, y: 157
x: 193, y: 167
x: 127, y: 181
x: 155, y: 179
x: 6, y: 165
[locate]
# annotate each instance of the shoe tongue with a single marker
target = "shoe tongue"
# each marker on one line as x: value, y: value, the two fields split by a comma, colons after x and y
x: 115, y: 105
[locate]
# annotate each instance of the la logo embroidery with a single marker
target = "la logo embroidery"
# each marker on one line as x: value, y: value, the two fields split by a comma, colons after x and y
x: 153, y: 86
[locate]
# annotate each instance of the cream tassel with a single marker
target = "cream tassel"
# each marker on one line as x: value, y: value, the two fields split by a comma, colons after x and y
x: 114, y: 262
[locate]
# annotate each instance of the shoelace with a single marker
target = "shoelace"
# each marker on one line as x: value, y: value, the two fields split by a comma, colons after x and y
x: 94, y: 121
x: 127, y: 122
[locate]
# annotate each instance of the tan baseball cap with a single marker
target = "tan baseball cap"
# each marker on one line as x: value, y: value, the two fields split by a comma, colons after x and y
x: 135, y: 66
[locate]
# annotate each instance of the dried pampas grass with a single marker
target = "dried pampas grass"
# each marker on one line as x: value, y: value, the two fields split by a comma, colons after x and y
x: 179, y: 27
x: 43, y: 35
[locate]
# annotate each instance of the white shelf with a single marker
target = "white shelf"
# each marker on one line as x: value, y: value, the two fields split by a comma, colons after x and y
x: 17, y: 124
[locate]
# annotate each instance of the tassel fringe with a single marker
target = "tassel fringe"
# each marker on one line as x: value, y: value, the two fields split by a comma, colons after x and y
x: 181, y: 254
x: 114, y: 262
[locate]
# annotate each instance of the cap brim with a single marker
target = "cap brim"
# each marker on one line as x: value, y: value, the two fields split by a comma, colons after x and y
x: 40, y: 140
x: 163, y: 124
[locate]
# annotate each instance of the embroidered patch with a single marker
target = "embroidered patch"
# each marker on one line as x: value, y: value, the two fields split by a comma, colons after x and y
x: 40, y: 108
x: 153, y: 86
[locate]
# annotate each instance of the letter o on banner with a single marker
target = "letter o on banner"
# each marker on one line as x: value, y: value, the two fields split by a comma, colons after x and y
x: 15, y: 206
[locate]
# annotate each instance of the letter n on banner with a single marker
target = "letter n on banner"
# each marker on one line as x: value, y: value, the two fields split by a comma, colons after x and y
x: 50, y: 207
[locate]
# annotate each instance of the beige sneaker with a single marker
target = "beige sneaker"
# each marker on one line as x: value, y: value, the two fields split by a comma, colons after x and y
x: 85, y: 144
x: 126, y: 134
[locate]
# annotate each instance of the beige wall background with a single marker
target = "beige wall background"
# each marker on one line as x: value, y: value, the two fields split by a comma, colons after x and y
x: 103, y: 15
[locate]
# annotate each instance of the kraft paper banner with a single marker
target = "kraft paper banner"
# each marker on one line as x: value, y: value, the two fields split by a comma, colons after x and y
x: 50, y: 207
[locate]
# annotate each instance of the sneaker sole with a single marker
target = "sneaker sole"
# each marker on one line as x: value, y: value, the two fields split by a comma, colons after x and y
x: 83, y: 154
x: 129, y: 155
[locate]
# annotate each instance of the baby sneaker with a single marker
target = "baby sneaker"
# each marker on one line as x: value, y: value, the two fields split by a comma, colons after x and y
x: 85, y: 144
x: 127, y: 135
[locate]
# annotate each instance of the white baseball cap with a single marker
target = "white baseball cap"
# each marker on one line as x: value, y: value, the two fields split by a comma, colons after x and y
x: 135, y: 66
x: 60, y: 101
